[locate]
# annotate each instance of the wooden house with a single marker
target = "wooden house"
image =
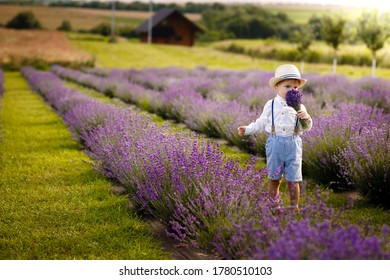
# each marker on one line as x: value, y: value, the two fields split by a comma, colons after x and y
x: 169, y: 26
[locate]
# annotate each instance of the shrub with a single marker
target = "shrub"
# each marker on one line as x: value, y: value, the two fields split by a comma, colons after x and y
x: 373, y: 91
x: 128, y: 32
x: 318, y: 234
x: 365, y: 163
x: 330, y: 135
x: 24, y: 20
x: 65, y: 26
x: 103, y: 29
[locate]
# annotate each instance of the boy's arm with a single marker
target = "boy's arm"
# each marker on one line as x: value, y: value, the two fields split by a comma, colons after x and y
x: 261, y: 122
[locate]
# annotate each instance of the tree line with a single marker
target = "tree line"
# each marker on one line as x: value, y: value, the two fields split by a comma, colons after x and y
x: 254, y: 22
x: 188, y: 7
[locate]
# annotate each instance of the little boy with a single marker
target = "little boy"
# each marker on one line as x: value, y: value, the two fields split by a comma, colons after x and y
x: 283, y: 146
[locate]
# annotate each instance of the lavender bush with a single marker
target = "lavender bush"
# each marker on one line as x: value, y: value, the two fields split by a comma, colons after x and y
x: 328, y: 89
x: 319, y: 233
x: 365, y: 163
x: 102, y: 72
x: 332, y: 133
x: 255, y: 98
x: 374, y: 92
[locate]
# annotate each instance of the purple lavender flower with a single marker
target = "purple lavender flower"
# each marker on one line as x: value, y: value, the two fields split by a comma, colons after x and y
x: 294, y: 100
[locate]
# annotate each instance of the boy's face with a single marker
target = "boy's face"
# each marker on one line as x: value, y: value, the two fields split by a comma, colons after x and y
x: 285, y: 86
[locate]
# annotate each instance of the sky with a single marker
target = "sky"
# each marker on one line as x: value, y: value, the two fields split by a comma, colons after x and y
x: 381, y: 4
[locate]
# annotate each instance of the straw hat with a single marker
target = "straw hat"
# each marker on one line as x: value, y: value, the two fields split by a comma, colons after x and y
x: 286, y: 72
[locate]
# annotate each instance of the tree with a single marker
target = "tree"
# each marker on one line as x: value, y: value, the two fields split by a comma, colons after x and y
x: 303, y: 37
x: 373, y: 34
x: 333, y: 32
x: 247, y: 21
x: 65, y: 26
x: 103, y: 29
x: 316, y: 25
x: 24, y: 20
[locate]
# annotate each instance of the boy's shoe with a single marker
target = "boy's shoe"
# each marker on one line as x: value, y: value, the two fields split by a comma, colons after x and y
x: 295, y: 209
x: 283, y: 210
x: 277, y: 210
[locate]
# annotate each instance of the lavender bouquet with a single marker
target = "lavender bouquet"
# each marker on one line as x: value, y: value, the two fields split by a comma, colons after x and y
x: 294, y: 100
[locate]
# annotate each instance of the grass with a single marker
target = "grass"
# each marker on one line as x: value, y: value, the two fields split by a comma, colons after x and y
x: 302, y: 13
x: 53, y: 205
x: 362, y: 211
x: 133, y: 54
x: 355, y: 55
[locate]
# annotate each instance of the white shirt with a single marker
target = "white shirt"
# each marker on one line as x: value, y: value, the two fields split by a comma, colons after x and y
x: 284, y: 119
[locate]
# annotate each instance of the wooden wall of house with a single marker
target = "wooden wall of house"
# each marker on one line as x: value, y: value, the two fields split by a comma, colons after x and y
x: 185, y: 34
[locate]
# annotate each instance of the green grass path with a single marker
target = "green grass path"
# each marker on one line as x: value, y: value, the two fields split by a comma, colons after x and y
x: 52, y: 204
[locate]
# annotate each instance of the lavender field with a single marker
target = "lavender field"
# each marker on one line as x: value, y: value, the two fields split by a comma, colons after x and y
x: 208, y: 199
x: 348, y: 116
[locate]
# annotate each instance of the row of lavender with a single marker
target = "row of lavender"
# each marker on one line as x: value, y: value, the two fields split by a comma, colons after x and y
x: 204, y: 197
x: 245, y: 86
x: 348, y: 146
x: 180, y: 102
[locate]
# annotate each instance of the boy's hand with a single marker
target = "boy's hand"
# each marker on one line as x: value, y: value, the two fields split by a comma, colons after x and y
x: 241, y: 131
x: 303, y: 115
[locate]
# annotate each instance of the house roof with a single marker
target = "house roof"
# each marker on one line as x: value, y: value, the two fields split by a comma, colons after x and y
x: 160, y: 16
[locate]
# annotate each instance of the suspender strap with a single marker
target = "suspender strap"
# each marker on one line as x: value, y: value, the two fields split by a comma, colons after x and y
x: 273, y: 122
x: 296, y: 127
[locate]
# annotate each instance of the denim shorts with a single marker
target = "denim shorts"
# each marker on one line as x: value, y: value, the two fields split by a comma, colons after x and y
x: 284, y: 156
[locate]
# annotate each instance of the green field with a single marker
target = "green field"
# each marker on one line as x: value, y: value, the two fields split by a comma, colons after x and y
x: 347, y: 54
x: 302, y: 13
x: 133, y: 54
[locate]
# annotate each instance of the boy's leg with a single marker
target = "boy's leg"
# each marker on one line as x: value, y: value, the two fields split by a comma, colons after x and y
x: 293, y: 171
x: 294, y: 191
x: 273, y: 188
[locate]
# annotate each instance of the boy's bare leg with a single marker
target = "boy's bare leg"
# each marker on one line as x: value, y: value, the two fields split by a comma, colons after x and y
x: 294, y: 191
x: 273, y: 188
